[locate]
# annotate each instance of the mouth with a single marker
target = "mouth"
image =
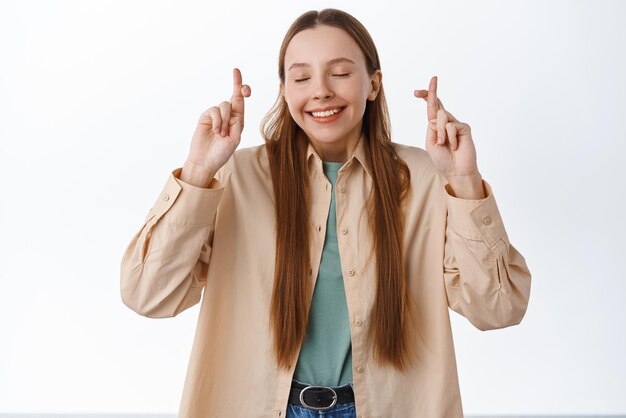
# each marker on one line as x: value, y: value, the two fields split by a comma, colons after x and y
x: 326, y: 114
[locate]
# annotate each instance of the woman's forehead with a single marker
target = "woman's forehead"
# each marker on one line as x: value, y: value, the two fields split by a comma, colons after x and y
x: 322, y: 45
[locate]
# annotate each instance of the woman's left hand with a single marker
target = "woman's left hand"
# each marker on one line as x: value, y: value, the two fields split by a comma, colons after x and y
x: 449, y: 144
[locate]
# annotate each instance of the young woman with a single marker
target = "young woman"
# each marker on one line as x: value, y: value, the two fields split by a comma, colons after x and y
x: 329, y: 255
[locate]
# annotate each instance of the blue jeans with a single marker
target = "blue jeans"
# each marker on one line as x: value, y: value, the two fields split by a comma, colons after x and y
x: 344, y: 410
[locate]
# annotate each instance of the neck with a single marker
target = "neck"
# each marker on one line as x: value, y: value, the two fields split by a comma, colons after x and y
x: 336, y: 152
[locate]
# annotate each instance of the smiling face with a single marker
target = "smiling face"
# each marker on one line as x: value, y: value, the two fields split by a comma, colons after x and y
x: 326, y: 88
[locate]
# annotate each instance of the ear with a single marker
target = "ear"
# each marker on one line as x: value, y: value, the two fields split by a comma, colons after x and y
x: 376, y: 80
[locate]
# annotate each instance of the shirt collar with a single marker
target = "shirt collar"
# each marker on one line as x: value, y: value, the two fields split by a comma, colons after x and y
x: 357, y: 156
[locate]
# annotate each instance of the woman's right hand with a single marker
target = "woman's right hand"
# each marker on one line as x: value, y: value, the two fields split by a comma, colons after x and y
x: 216, y: 137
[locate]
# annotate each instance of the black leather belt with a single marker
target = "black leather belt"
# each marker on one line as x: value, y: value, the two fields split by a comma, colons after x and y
x: 319, y: 398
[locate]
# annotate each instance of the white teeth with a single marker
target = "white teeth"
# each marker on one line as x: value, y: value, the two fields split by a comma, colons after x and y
x: 326, y: 113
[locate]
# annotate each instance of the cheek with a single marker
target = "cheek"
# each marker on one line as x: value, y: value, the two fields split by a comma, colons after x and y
x: 367, y: 88
x: 295, y: 102
x: 359, y: 100
x: 293, y: 111
x: 358, y: 93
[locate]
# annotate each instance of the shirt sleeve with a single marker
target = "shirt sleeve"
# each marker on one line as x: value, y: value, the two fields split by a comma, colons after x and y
x: 164, y: 267
x: 486, y: 278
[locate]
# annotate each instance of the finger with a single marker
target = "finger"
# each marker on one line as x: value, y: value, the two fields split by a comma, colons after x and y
x: 451, y: 129
x: 430, y: 96
x: 237, y: 83
x: 246, y: 91
x: 225, y: 117
x: 431, y: 134
x: 421, y: 93
x: 216, y: 120
x: 432, y: 107
x: 238, y: 90
x: 462, y: 129
x: 424, y: 95
x: 440, y: 104
x: 442, y: 120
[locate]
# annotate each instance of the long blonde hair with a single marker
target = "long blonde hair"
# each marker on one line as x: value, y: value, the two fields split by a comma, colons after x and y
x: 392, y: 314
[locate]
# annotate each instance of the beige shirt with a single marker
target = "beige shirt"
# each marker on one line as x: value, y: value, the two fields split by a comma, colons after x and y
x: 456, y: 251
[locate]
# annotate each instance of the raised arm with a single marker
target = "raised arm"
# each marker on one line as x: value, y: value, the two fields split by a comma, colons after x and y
x: 164, y: 267
x: 486, y: 278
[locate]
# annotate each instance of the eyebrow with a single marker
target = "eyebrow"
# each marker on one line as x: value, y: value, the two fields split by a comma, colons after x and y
x: 333, y: 61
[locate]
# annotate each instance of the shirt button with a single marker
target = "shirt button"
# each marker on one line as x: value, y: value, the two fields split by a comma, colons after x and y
x: 359, y: 369
x: 351, y: 272
x: 344, y: 231
x: 487, y: 221
x: 358, y: 322
x: 166, y: 197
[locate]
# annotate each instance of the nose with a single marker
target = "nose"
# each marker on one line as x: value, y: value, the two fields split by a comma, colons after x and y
x: 322, y: 90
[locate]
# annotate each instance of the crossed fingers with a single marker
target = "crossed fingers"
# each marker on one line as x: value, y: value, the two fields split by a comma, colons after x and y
x: 440, y: 121
x: 230, y: 112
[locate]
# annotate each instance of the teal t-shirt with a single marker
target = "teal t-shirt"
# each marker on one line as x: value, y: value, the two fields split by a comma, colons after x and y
x: 326, y: 355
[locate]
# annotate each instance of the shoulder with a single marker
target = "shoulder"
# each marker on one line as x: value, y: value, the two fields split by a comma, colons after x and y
x: 417, y: 159
x: 246, y: 161
x: 426, y: 181
x: 255, y: 155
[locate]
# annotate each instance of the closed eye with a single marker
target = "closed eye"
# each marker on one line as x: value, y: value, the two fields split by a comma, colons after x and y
x: 300, y: 80
x: 341, y: 75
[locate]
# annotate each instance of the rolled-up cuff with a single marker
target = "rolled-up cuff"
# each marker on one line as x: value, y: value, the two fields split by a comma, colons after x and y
x: 183, y: 204
x: 476, y: 219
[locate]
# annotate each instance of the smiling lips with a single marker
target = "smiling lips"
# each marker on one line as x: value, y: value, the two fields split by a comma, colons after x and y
x: 326, y: 115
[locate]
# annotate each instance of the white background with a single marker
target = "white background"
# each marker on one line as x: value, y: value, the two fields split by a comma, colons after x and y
x: 98, y: 101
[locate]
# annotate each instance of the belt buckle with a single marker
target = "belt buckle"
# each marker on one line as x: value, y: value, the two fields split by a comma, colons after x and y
x: 318, y: 408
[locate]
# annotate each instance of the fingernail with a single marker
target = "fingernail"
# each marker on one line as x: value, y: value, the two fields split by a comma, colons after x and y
x: 224, y: 132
